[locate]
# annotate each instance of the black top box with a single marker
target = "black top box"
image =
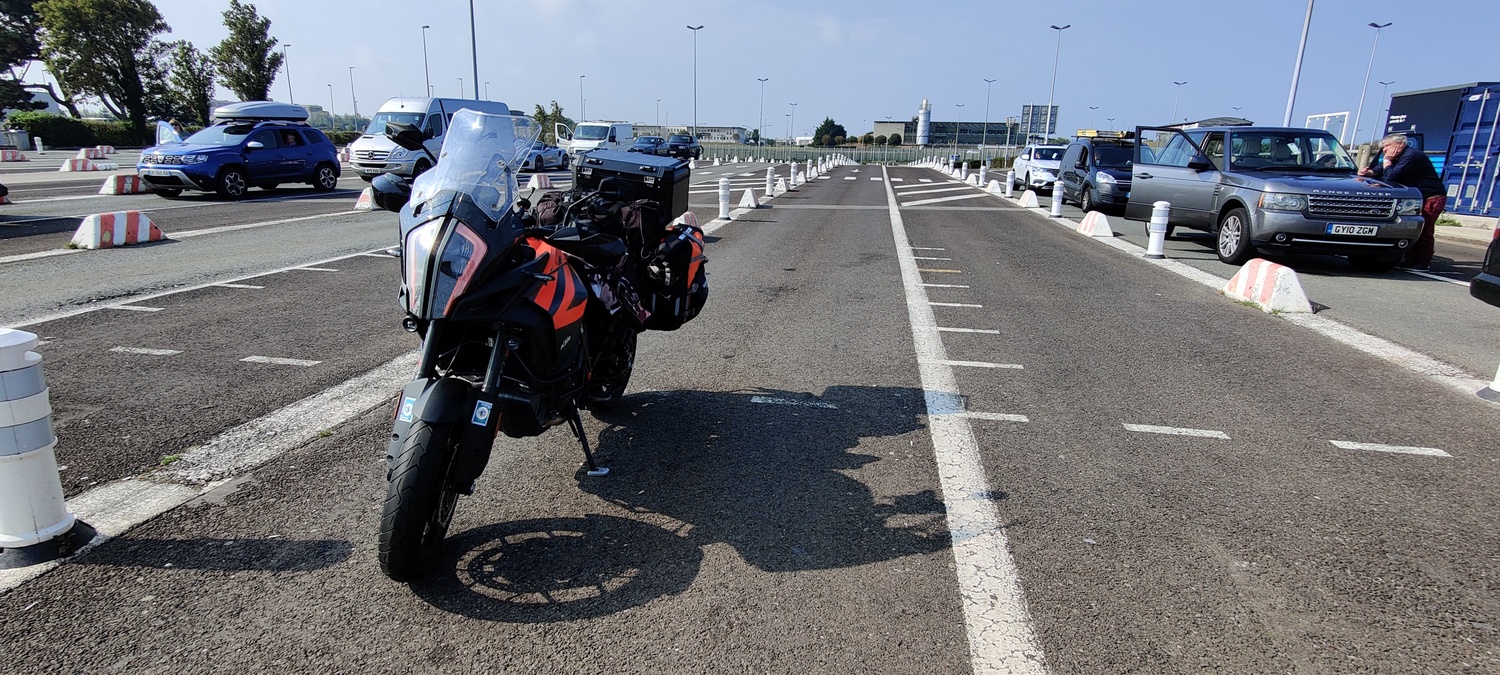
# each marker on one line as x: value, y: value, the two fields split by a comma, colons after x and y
x: 661, y: 179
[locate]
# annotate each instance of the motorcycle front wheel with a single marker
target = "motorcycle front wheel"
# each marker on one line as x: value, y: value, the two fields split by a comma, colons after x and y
x: 419, y: 504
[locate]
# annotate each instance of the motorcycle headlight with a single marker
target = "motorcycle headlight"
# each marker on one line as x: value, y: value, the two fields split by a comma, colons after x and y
x: 416, y: 253
x: 399, y: 154
x: 445, y: 275
x: 1409, y: 207
x: 1271, y: 201
x: 1104, y: 178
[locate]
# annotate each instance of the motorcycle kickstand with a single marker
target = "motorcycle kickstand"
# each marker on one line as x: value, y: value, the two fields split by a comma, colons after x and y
x: 576, y: 422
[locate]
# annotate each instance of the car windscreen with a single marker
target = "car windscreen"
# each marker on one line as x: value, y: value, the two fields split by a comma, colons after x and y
x: 377, y: 123
x: 1271, y: 150
x: 1048, y: 154
x: 1113, y: 156
x: 228, y: 134
x: 591, y: 133
x: 680, y: 138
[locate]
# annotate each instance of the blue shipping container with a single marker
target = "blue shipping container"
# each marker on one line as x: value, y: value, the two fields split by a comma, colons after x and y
x: 1473, y: 168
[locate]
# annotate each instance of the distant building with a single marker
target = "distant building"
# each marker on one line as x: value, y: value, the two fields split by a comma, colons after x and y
x: 706, y: 133
x: 994, y: 133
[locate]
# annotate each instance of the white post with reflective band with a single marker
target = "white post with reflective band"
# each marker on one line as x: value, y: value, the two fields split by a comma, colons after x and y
x: 1156, y: 247
x: 983, y: 175
x: 724, y: 198
x: 1056, y: 201
x: 32, y: 508
x: 770, y: 180
x: 810, y: 173
x: 1010, y: 184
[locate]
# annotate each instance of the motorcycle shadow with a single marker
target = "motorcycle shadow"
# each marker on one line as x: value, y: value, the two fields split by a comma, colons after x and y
x: 767, y: 472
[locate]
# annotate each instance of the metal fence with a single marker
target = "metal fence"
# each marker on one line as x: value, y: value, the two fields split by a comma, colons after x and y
x: 901, y: 154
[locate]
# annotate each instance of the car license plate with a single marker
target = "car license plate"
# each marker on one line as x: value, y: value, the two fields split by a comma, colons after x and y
x: 155, y: 172
x: 1354, y: 230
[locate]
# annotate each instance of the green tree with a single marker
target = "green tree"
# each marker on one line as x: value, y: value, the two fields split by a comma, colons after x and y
x: 755, y: 137
x: 894, y: 140
x: 18, y: 48
x: 881, y: 139
x: 247, y: 60
x: 191, y: 81
x: 547, y: 119
x: 830, y: 129
x: 867, y: 139
x: 103, y: 49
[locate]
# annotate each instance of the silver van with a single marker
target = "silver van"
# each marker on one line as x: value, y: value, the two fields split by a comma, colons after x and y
x: 373, y: 154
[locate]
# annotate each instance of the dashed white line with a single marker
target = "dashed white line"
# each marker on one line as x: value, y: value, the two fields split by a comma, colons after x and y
x: 996, y: 417
x: 897, y: 180
x: 928, y: 258
x: 979, y: 364
x: 1399, y: 449
x: 314, y: 269
x: 771, y: 400
x: 876, y: 179
x: 945, y: 285
x: 1176, y: 431
x: 145, y: 351
x: 984, y: 331
x: 851, y: 177
x: 942, y: 271
x: 135, y: 308
x: 955, y: 304
x: 278, y: 361
x: 924, y: 180
x: 246, y: 286
x: 927, y: 248
x: 933, y: 190
x: 936, y: 200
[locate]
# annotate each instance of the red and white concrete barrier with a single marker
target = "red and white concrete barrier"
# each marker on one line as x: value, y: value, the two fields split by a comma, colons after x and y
x: 1095, y: 224
x: 366, y: 200
x: 1271, y: 287
x: 13, y: 156
x: 123, y: 185
x: 121, y: 228
x: 539, y: 181
x: 87, y: 165
x: 90, y: 153
x: 105, y: 149
x: 344, y: 154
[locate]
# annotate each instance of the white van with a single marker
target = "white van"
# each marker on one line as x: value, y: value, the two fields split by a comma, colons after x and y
x: 373, y: 154
x: 593, y: 136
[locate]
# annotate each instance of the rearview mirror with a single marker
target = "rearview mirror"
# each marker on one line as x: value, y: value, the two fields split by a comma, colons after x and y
x: 404, y: 135
x: 255, y: 145
x: 391, y: 191
x: 1200, y: 162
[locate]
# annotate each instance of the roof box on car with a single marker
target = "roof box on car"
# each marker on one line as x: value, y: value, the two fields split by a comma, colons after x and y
x: 260, y: 110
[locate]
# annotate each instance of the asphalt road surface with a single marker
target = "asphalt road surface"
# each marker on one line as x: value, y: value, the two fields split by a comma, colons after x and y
x: 1175, y: 482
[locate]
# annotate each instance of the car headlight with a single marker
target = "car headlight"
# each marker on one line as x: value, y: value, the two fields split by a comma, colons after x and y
x: 399, y: 154
x: 1046, y: 174
x: 194, y: 159
x: 1409, y: 207
x: 1272, y: 201
x: 1104, y: 178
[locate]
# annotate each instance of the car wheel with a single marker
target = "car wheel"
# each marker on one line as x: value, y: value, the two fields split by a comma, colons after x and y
x: 1373, y: 264
x: 326, y: 179
x: 563, y: 164
x: 231, y: 183
x: 420, y: 168
x: 1170, y: 229
x: 169, y: 193
x: 1232, y: 241
x: 1086, y: 201
x: 1026, y: 182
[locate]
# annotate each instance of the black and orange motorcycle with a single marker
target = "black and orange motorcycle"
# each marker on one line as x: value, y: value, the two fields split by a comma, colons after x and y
x: 526, y: 314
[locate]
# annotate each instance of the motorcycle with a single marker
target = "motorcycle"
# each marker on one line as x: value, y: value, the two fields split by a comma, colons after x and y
x: 525, y: 315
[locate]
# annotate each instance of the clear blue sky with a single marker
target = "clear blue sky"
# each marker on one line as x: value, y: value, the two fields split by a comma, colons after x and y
x: 861, y: 60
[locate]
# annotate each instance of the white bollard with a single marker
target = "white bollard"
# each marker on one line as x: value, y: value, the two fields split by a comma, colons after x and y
x: 1160, y: 213
x: 40, y: 149
x: 770, y: 180
x: 35, y: 525
x: 810, y: 173
x: 963, y: 172
x: 1057, y: 201
x: 1492, y: 392
x: 724, y: 198
x: 983, y: 170
x: 1010, y: 184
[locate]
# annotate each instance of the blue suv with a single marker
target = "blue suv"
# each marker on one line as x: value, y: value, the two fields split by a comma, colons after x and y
x: 231, y: 156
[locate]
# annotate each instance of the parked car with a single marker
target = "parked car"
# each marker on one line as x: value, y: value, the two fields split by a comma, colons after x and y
x: 543, y: 156
x: 373, y: 154
x: 590, y: 136
x: 1486, y: 286
x: 1036, y: 167
x: 1095, y: 171
x: 1273, y: 190
x: 649, y: 145
x: 682, y: 145
x: 258, y: 144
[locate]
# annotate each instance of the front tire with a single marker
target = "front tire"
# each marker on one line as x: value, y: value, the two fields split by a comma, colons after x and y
x: 1086, y: 200
x: 232, y: 183
x: 418, y: 503
x: 326, y: 178
x: 1232, y: 240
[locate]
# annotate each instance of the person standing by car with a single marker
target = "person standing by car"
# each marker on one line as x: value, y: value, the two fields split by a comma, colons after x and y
x: 1405, y: 165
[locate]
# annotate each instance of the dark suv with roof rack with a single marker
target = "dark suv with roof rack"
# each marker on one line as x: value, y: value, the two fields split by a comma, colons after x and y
x: 1095, y: 170
x: 231, y: 156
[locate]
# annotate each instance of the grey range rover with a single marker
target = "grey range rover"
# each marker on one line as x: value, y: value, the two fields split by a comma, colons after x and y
x: 1273, y: 190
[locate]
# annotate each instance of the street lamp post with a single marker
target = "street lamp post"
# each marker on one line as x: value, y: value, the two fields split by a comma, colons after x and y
x: 1385, y: 113
x: 1092, y: 114
x: 763, y: 81
x: 1047, y: 128
x: 1291, y: 97
x: 426, y: 74
x: 984, y: 136
x: 658, y: 112
x: 581, y: 114
x: 286, y: 63
x: 1177, y: 100
x: 1360, y: 110
x: 695, y: 30
x: 352, y: 97
x: 1111, y: 121
x: 788, y: 117
x: 473, y: 48
x: 957, y: 124
x: 330, y: 107
x: 486, y: 90
x: 461, y: 88
x: 792, y: 124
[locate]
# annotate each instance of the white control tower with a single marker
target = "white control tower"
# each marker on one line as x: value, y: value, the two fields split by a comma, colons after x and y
x: 924, y: 123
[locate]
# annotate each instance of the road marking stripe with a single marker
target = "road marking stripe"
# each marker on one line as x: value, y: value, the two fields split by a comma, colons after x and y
x: 980, y: 364
x: 996, y: 417
x: 1176, y: 431
x: 1429, y: 275
x: 249, y: 286
x: 945, y: 285
x: 876, y: 178
x: 146, y: 351
x: 955, y: 304
x: 929, y: 258
x: 769, y: 400
x: 1001, y: 637
x: 897, y: 180
x: 985, y: 331
x: 136, y: 308
x: 851, y: 177
x: 924, y: 180
x: 936, y: 200
x: 314, y: 269
x: 942, y: 271
x: 278, y: 361
x: 927, y: 248
x: 935, y: 190
x: 1401, y: 449
x: 378, y: 255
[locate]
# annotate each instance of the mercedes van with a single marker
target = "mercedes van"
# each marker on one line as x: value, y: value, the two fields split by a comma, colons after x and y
x: 373, y: 154
x: 594, y: 136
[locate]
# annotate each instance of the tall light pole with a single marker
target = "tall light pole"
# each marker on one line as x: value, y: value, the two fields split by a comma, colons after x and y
x: 473, y: 48
x: 352, y: 97
x: 1047, y: 129
x: 461, y: 89
x: 1385, y: 114
x: 763, y: 81
x: 1358, y: 111
x: 581, y: 114
x: 984, y: 136
x: 330, y: 107
x: 658, y: 112
x: 425, y: 72
x: 486, y: 90
x: 287, y: 66
x: 788, y: 117
x: 957, y: 125
x: 1177, y: 100
x: 1111, y: 121
x: 1291, y: 97
x: 1092, y: 115
x: 695, y: 30
x: 792, y: 124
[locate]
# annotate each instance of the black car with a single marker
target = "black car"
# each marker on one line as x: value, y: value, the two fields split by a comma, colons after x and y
x: 650, y: 145
x: 682, y: 145
x: 1095, y: 171
x: 1486, y: 286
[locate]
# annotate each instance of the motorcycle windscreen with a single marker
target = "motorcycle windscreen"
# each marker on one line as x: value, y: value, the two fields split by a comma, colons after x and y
x: 437, y: 276
x: 480, y: 156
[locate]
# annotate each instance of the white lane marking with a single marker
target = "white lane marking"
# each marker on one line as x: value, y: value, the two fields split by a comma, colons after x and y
x: 1429, y: 275
x: 936, y: 200
x: 824, y: 177
x: 1401, y: 449
x: 850, y: 177
x: 941, y: 271
x: 996, y: 417
x: 144, y: 351
x: 1176, y: 431
x: 876, y: 178
x: 945, y: 285
x: 924, y: 180
x: 770, y: 400
x: 135, y: 308
x: 929, y: 258
x: 982, y: 364
x: 982, y: 331
x: 247, y: 286
x: 313, y: 269
x: 232, y: 228
x: 897, y: 180
x: 1001, y: 637
x: 927, y: 248
x: 934, y: 190
x: 278, y: 361
x: 378, y: 255
x: 955, y: 304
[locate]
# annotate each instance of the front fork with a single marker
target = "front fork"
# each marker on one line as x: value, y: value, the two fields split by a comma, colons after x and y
x: 450, y: 400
